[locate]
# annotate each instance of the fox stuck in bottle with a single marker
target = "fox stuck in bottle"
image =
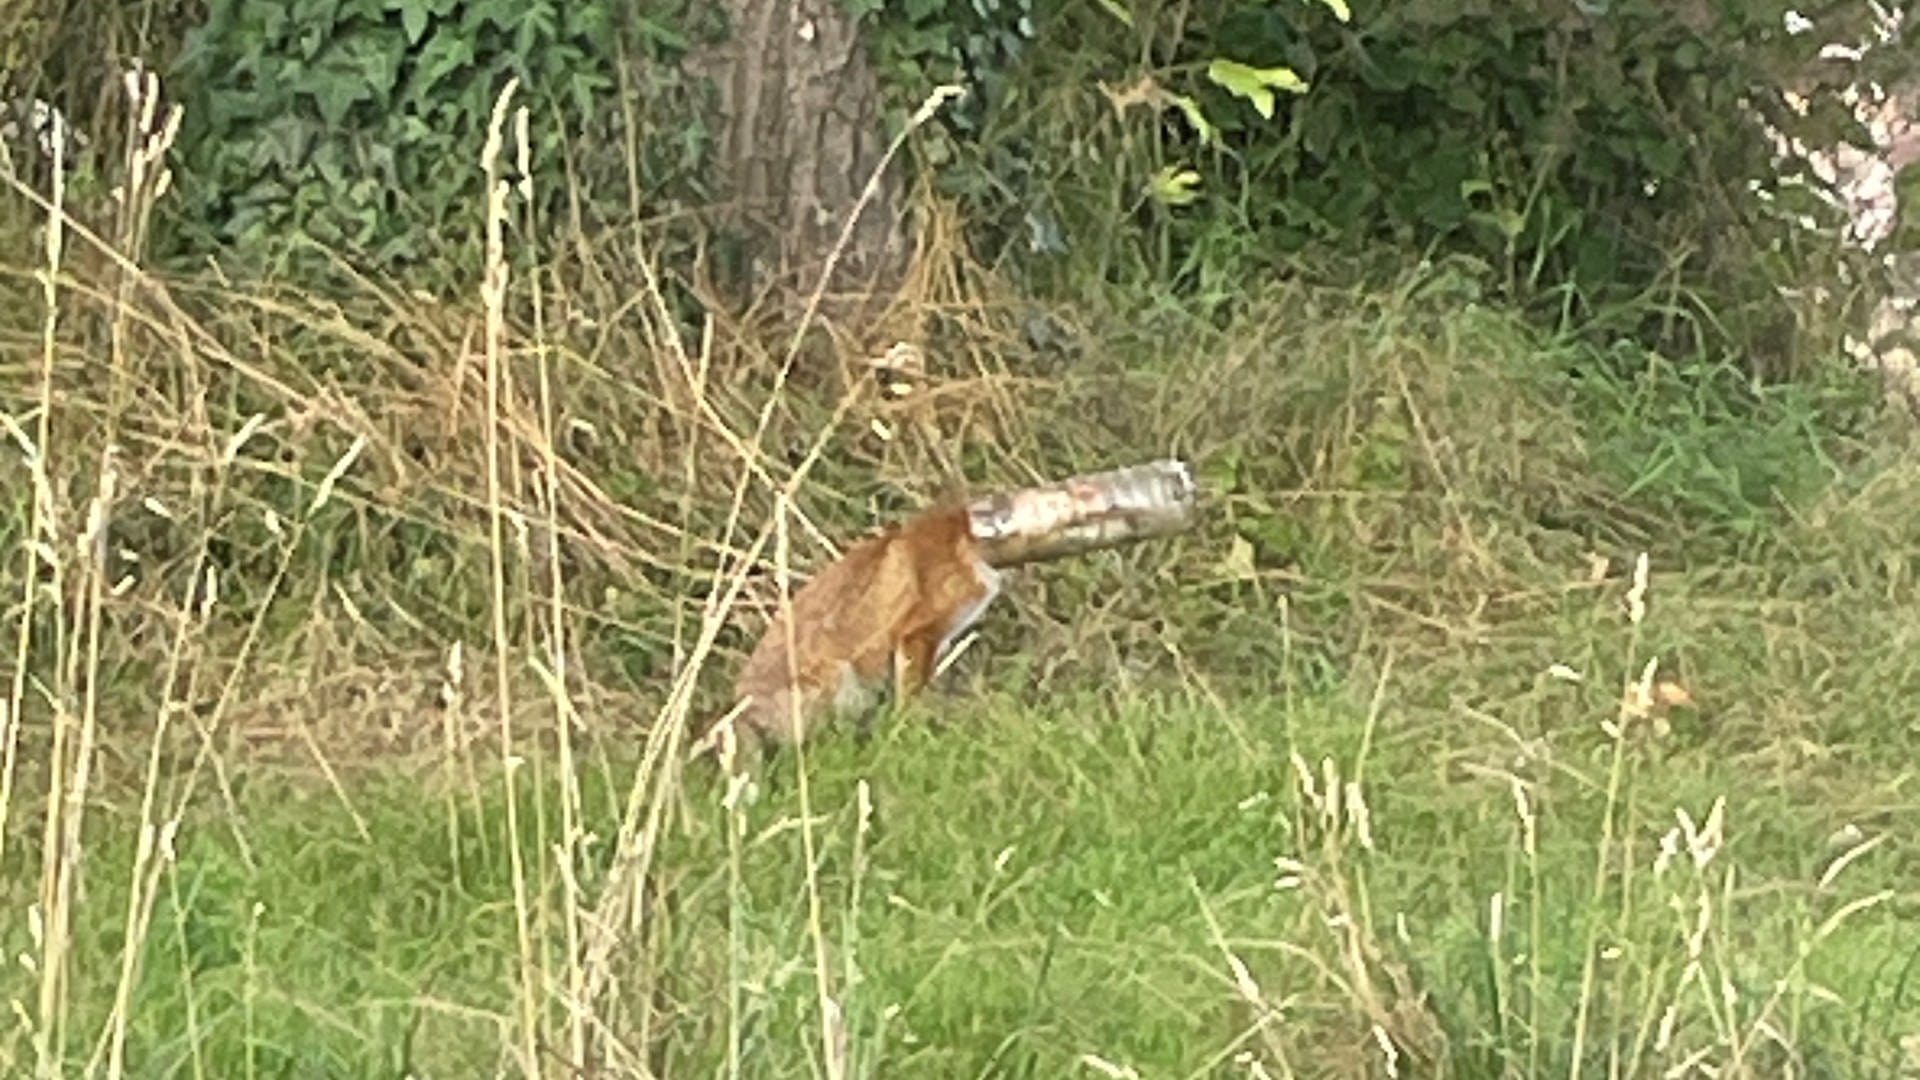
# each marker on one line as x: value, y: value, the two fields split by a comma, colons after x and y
x: 891, y: 608
x: 1083, y: 514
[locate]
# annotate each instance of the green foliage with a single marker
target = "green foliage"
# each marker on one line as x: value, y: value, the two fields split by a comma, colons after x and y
x: 1704, y: 447
x: 1531, y: 136
x: 1254, y: 84
x: 1585, y: 155
x: 358, y: 123
x: 920, y: 44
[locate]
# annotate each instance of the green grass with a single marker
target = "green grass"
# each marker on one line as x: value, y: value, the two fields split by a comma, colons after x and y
x: 1070, y: 866
x: 1061, y: 880
x: 1305, y: 792
x: 1039, y: 882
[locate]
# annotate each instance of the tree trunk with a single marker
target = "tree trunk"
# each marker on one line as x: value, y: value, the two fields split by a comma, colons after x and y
x: 802, y: 133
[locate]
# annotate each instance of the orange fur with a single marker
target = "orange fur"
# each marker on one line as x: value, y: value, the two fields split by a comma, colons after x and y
x: 887, y: 610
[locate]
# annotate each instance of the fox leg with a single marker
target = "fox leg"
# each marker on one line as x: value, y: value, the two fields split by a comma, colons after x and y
x: 913, y: 661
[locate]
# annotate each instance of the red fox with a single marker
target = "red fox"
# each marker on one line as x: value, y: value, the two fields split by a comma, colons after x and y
x: 890, y: 609
x: 887, y: 611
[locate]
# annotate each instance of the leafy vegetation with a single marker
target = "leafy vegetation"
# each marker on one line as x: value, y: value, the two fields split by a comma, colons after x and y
x: 340, y: 121
x: 1590, y: 159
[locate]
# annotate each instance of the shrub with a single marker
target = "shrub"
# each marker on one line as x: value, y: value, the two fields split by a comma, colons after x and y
x: 353, y: 122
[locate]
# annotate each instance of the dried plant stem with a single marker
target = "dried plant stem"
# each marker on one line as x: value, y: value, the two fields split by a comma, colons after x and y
x: 42, y: 546
x: 153, y: 853
x: 493, y: 293
x: 940, y: 96
x: 1604, y: 850
x: 555, y: 677
x: 832, y: 1037
x: 1616, y: 770
x: 832, y: 1031
x: 147, y: 178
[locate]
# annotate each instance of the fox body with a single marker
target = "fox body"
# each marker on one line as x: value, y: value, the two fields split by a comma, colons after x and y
x: 887, y: 611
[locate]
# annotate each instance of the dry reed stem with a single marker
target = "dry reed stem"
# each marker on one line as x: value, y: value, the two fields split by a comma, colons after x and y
x: 493, y: 296
x: 41, y: 546
x: 554, y: 677
x: 34, y: 547
x: 1604, y: 850
x: 146, y: 180
x: 832, y: 1034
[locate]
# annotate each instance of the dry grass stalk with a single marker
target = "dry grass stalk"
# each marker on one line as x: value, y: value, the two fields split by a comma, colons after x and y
x: 493, y: 295
x: 42, y: 547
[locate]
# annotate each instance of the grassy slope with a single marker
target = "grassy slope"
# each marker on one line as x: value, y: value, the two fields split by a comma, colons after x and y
x: 1074, y: 868
x: 1036, y: 885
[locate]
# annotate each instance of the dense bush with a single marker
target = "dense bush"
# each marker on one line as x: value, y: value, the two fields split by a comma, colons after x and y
x: 1586, y: 153
x: 358, y: 122
x: 1583, y: 153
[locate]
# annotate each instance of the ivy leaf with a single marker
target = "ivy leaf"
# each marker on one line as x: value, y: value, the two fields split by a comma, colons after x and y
x: 414, y: 17
x: 348, y: 74
x: 286, y: 138
x: 537, y: 24
x: 655, y: 32
x: 268, y: 22
x: 1255, y: 84
x: 1174, y: 185
x: 445, y: 53
x: 498, y: 14
x: 234, y: 108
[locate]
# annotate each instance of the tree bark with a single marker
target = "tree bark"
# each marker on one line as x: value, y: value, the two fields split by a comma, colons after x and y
x: 802, y: 132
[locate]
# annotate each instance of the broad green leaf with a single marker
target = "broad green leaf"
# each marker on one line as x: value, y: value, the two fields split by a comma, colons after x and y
x: 1255, y: 84
x: 1209, y: 135
x: 336, y: 97
x: 286, y: 138
x: 498, y: 14
x: 271, y: 21
x: 1174, y: 185
x: 445, y: 53
x: 413, y: 19
x: 1340, y: 9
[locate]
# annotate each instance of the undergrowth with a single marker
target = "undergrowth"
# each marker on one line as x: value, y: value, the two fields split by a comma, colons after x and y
x: 1514, y: 710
